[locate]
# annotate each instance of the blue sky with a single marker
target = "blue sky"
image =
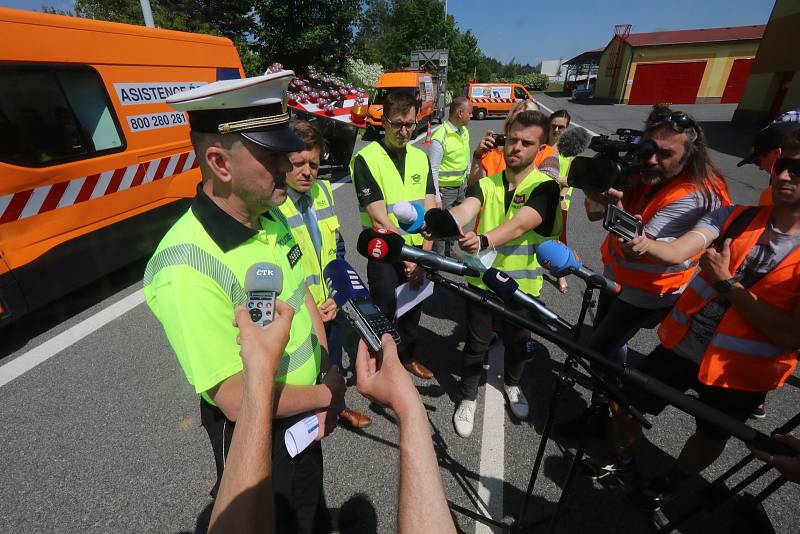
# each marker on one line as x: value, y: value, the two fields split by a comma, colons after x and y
x: 565, y: 28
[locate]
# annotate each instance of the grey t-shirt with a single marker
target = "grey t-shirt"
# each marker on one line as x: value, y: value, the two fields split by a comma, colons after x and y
x: 772, y: 247
x: 668, y: 224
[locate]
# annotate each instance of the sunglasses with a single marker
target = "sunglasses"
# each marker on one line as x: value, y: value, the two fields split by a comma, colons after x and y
x: 791, y: 165
x: 679, y: 121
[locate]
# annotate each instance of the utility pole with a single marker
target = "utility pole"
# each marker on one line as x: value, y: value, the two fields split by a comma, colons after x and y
x: 148, y: 13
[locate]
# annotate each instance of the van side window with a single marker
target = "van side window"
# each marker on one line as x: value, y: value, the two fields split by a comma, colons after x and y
x: 49, y: 115
x: 519, y: 92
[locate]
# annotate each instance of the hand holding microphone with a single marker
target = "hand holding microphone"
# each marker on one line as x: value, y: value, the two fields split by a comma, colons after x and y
x: 435, y: 224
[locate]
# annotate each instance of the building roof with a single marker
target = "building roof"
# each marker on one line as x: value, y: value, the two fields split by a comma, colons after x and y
x: 590, y: 56
x: 707, y: 35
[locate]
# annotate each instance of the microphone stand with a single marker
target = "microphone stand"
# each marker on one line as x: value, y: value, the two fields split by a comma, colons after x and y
x: 575, y: 352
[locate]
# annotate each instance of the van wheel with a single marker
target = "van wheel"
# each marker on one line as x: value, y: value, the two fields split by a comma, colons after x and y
x: 479, y: 114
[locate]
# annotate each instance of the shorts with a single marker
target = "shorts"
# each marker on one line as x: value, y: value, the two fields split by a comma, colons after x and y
x: 680, y: 373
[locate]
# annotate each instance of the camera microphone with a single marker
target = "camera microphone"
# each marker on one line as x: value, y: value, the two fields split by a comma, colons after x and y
x: 573, y: 142
x: 561, y: 260
x: 384, y: 246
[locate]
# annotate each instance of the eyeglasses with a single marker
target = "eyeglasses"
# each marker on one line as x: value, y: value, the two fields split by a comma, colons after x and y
x: 787, y: 164
x: 400, y: 125
x: 679, y: 121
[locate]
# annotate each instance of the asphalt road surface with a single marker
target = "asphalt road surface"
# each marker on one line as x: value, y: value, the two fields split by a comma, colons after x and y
x: 102, y: 434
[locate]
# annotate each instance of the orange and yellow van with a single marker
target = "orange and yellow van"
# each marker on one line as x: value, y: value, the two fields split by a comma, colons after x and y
x: 494, y: 98
x: 95, y: 164
x: 418, y: 83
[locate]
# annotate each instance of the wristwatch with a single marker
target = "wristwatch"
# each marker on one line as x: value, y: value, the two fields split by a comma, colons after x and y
x: 724, y: 286
x: 484, y: 242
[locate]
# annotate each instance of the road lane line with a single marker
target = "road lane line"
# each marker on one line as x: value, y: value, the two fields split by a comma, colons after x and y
x: 592, y: 133
x: 51, y: 347
x: 492, y: 466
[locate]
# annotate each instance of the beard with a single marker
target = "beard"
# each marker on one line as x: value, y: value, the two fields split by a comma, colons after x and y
x: 655, y: 175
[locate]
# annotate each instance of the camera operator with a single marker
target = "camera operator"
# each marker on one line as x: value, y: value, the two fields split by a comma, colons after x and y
x: 677, y: 187
x: 732, y: 335
x: 518, y: 209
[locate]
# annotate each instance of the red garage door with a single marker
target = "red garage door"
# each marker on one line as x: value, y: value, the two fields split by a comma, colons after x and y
x: 736, y: 81
x: 674, y: 83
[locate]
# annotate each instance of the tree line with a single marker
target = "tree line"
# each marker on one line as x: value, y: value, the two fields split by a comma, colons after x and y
x: 323, y: 35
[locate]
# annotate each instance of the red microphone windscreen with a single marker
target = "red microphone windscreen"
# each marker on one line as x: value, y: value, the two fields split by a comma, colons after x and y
x: 380, y: 245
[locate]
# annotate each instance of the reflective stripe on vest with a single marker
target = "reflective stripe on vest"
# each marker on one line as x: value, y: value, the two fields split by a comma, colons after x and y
x: 455, y: 154
x: 739, y: 355
x: 313, y: 265
x: 646, y: 274
x: 517, y: 257
x: 191, y: 255
x: 411, y: 187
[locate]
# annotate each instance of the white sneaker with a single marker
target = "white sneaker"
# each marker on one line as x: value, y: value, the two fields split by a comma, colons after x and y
x: 464, y: 418
x: 516, y: 401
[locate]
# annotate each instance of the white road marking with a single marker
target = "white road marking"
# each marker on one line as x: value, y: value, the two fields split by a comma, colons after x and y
x: 492, y: 467
x: 51, y: 347
x: 592, y: 133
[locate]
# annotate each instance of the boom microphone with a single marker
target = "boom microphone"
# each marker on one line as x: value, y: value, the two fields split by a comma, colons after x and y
x: 262, y: 283
x: 504, y: 286
x: 573, y: 141
x: 561, y: 260
x: 384, y: 246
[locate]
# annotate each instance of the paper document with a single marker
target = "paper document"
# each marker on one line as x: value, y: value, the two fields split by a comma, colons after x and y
x: 407, y: 298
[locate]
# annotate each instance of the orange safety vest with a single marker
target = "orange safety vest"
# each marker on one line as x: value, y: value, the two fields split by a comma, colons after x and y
x: 493, y: 161
x: 766, y: 197
x: 644, y: 273
x: 739, y: 356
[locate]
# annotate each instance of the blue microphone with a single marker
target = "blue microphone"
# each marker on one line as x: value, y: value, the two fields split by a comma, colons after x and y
x: 561, y: 260
x: 352, y: 297
x: 410, y: 216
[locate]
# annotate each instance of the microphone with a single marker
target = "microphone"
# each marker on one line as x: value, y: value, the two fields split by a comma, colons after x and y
x: 573, y: 142
x: 263, y: 283
x: 441, y: 224
x: 352, y: 297
x: 561, y: 260
x: 504, y: 286
x: 388, y: 247
x: 410, y: 216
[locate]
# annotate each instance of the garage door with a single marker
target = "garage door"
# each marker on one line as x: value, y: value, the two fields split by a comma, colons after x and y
x: 674, y: 83
x: 736, y: 81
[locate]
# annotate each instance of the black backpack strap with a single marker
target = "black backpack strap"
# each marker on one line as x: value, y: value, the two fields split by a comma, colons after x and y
x: 737, y: 227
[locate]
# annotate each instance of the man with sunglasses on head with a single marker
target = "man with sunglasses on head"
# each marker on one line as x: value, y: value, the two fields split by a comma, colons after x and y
x: 677, y: 187
x: 732, y: 336
x: 384, y: 173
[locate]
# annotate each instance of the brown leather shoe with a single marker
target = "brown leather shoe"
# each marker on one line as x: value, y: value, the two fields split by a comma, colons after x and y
x: 417, y: 369
x: 355, y: 419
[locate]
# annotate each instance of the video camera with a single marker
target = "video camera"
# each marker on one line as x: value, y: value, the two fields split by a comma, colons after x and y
x: 616, y: 159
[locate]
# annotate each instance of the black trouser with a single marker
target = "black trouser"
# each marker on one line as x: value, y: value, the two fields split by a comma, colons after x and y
x: 616, y: 322
x: 519, y: 348
x: 297, y: 482
x: 383, y: 279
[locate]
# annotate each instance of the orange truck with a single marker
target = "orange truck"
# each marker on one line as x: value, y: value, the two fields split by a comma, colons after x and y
x: 494, y: 98
x: 95, y: 165
x: 418, y: 83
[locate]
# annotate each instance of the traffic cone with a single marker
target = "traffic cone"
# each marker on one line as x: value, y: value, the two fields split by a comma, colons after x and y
x: 428, y: 135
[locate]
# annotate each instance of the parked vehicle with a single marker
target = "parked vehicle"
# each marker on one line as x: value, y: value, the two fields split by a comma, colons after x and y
x: 493, y: 99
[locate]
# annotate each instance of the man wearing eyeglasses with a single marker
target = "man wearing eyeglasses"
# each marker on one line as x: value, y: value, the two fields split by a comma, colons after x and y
x: 732, y: 335
x: 385, y: 172
x: 677, y: 187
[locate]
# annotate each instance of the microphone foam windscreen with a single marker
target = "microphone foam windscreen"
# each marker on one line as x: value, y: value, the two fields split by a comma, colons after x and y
x: 574, y: 141
x: 441, y: 223
x: 500, y: 283
x: 343, y: 282
x: 264, y: 277
x: 556, y: 256
x: 405, y: 212
x: 380, y: 245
